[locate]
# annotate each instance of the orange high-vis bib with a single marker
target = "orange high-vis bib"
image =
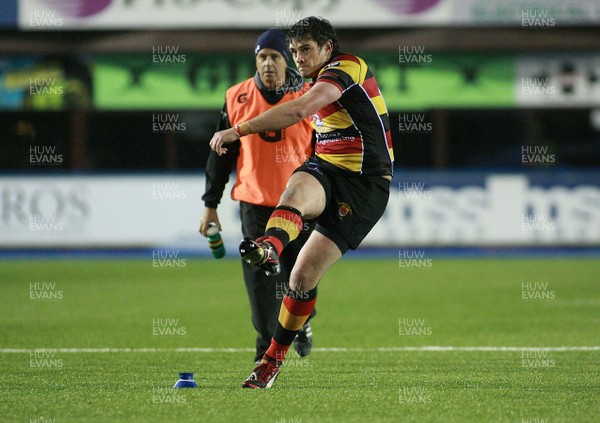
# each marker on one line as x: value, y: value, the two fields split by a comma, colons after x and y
x: 266, y: 160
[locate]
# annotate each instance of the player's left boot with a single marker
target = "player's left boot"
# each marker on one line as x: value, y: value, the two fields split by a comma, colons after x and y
x: 261, y: 254
x: 303, y: 341
x: 262, y: 377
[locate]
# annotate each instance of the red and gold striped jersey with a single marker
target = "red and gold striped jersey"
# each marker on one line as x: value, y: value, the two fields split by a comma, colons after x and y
x: 353, y: 133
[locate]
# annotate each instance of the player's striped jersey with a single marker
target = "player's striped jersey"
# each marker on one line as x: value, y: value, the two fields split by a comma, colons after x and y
x: 354, y: 132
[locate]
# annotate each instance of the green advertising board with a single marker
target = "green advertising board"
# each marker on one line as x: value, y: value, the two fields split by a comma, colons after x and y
x: 200, y: 81
x: 445, y: 80
x: 196, y: 81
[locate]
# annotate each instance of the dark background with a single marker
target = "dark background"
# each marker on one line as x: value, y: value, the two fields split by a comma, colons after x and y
x: 101, y: 140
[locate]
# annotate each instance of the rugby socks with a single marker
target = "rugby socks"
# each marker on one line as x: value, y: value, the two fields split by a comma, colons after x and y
x: 283, y: 227
x: 295, y: 310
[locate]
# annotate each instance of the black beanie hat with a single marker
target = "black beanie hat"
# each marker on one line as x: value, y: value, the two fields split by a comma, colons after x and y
x: 273, y: 38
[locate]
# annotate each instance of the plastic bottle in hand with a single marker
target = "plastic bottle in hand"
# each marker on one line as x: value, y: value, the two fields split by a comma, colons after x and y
x: 215, y: 242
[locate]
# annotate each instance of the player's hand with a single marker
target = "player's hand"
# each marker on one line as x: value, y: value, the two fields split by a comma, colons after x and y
x: 221, y: 138
x: 209, y: 215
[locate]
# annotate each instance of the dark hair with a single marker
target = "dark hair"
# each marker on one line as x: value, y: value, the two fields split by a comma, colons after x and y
x: 313, y: 28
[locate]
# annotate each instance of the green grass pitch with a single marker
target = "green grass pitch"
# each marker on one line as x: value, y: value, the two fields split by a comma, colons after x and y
x: 363, y: 305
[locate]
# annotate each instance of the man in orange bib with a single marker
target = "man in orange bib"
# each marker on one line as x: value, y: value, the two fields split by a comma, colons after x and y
x: 264, y: 162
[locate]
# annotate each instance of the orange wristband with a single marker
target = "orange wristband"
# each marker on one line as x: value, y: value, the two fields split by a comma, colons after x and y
x: 242, y: 129
x: 237, y: 131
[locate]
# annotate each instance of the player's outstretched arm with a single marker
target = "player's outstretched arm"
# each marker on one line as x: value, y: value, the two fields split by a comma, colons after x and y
x: 281, y: 116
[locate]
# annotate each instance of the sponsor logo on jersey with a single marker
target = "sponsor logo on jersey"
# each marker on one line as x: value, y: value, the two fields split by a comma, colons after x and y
x: 331, y: 65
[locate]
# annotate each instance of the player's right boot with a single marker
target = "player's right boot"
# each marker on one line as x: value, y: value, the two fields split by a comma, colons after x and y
x: 262, y: 377
x: 261, y: 254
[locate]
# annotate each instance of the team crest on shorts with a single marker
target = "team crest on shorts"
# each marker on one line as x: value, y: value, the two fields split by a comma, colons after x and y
x: 344, y: 210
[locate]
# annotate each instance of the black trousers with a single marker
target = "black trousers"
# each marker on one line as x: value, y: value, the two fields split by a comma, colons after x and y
x: 266, y: 292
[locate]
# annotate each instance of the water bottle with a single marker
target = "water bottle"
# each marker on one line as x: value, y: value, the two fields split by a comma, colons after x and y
x: 215, y: 242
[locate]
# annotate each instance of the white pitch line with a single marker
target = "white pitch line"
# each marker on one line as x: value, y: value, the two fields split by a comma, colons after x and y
x: 333, y: 349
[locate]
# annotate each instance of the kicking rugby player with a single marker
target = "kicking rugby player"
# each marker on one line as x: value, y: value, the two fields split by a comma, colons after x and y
x: 345, y: 185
